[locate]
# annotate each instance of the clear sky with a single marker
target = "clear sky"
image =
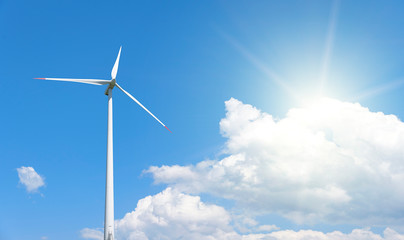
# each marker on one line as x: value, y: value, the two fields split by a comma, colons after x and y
x: 239, y: 83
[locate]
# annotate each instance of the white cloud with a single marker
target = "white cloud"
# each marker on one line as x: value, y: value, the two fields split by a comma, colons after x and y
x: 333, y: 162
x: 89, y: 233
x: 174, y: 215
x: 171, y: 215
x: 30, y: 179
x: 267, y: 228
x: 356, y: 234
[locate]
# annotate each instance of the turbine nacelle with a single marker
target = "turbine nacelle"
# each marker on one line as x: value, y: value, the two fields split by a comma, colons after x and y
x: 111, y: 85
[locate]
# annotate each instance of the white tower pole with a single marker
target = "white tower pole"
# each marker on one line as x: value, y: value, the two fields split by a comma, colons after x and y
x: 109, y: 186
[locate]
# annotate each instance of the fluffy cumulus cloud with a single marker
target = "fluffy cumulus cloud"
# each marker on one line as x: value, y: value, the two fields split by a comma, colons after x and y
x: 30, y: 178
x: 174, y: 215
x: 88, y: 233
x: 356, y: 234
x: 333, y: 161
x: 171, y: 215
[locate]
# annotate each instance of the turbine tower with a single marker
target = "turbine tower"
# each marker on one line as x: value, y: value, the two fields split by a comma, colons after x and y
x: 109, y: 186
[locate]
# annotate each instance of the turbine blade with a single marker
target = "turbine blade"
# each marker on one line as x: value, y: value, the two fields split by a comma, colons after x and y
x: 88, y: 81
x: 134, y: 99
x: 115, y: 68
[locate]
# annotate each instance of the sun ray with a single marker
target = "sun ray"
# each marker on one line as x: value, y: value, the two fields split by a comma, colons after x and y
x: 259, y: 65
x: 329, y: 45
x: 371, y: 92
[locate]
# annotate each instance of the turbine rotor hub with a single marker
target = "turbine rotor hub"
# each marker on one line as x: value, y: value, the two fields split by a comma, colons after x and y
x: 110, y: 86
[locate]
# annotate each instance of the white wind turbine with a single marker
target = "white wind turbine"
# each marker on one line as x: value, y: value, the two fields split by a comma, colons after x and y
x: 109, y: 187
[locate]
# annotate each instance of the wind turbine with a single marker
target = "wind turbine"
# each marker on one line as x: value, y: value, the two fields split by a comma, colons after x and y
x: 109, y: 186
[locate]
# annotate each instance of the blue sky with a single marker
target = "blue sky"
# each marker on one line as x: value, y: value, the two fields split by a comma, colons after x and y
x: 182, y: 60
